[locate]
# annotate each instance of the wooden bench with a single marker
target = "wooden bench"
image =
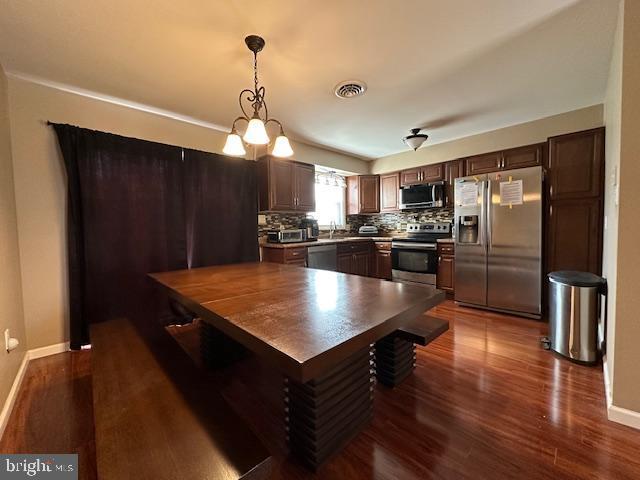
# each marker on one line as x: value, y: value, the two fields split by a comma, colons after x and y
x: 396, y: 353
x: 157, y: 416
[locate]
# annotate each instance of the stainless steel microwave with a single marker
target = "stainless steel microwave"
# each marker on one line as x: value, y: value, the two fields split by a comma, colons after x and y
x: 430, y: 195
x: 286, y: 236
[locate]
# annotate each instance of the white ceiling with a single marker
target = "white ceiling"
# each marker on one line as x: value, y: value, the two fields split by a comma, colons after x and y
x: 456, y: 67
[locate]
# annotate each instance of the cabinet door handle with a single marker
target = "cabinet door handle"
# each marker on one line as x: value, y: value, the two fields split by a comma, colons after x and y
x: 439, y: 259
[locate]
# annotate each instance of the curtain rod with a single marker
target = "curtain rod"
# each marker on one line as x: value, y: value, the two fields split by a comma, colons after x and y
x: 50, y: 123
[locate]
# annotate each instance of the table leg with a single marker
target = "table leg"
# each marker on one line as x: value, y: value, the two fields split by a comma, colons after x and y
x: 217, y: 349
x: 395, y: 360
x: 324, y: 414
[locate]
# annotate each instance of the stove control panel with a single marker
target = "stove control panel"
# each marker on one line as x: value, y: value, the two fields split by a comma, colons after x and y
x: 436, y: 227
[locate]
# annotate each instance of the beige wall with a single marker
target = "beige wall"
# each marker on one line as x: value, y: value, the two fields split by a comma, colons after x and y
x: 514, y: 136
x: 40, y: 185
x: 11, y: 315
x: 612, y: 117
x: 626, y: 345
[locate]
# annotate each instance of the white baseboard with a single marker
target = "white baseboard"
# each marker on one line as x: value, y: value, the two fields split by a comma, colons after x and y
x: 17, y: 381
x: 617, y: 414
x: 607, y: 382
x: 48, y: 350
x: 624, y: 416
x: 13, y: 394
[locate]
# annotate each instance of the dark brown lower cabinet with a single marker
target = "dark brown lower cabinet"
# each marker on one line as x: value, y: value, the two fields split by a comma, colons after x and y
x: 445, y: 278
x: 354, y: 263
x: 354, y: 258
x: 287, y: 255
x: 345, y: 261
x: 364, y: 258
x: 381, y: 264
x: 361, y: 263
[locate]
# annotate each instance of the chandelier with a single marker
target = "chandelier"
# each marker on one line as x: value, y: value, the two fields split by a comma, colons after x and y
x: 252, y: 101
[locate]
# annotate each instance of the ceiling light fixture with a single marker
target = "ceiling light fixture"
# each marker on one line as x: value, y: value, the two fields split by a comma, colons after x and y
x: 416, y: 139
x: 257, y: 122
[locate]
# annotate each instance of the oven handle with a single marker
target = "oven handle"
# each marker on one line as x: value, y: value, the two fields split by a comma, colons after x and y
x: 414, y: 246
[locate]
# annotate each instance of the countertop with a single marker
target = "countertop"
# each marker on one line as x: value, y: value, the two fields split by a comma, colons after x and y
x: 324, y: 241
x: 329, y: 241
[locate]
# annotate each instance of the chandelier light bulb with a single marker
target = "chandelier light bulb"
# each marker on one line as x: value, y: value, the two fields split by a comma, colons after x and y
x: 256, y: 134
x: 234, y: 146
x: 282, y: 147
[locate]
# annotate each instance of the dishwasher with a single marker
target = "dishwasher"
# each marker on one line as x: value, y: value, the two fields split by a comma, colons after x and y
x: 324, y: 257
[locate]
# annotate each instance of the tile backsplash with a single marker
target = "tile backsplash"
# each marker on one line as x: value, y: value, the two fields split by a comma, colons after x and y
x: 386, y: 222
x: 278, y: 221
x: 397, y: 222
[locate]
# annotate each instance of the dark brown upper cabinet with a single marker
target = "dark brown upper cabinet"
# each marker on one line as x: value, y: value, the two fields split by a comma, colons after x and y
x: 363, y: 194
x: 285, y: 185
x: 424, y: 174
x: 389, y: 192
x: 485, y: 163
x: 576, y: 165
x: 410, y: 176
x: 452, y: 170
x: 574, y: 199
x: 305, y: 187
x: 520, y: 157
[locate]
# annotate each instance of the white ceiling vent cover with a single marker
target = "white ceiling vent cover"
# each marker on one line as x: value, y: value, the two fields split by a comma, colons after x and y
x: 350, y: 89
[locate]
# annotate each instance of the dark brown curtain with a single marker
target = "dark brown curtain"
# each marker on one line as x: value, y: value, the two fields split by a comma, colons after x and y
x: 221, y: 209
x: 132, y: 205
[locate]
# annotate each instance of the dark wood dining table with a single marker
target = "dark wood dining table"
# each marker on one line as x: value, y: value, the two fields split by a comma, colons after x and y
x: 317, y: 327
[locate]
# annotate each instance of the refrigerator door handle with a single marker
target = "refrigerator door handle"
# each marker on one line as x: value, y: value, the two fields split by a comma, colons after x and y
x: 483, y: 215
x: 489, y: 206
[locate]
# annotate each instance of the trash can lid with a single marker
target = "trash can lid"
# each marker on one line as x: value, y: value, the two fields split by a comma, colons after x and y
x: 577, y: 279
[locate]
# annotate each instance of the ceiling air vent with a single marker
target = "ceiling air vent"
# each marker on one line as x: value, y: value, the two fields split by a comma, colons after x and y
x: 350, y: 89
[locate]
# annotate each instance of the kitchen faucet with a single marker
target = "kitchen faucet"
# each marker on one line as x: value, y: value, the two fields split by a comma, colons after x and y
x: 332, y: 228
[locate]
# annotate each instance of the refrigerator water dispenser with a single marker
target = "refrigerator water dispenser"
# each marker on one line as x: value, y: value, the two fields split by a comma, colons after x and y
x: 467, y: 229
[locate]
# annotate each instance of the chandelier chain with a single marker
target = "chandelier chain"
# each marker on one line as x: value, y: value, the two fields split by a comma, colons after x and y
x: 255, y: 71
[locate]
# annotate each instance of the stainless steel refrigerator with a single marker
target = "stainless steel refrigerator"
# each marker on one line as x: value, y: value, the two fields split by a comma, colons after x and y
x: 498, y: 236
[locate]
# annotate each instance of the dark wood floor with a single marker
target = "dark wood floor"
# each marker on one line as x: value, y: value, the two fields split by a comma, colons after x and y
x: 485, y: 402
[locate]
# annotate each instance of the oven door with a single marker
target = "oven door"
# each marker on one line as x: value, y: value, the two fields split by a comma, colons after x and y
x: 414, y: 262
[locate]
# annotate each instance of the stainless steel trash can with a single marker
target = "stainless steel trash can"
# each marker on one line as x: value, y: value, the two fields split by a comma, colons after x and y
x: 574, y: 310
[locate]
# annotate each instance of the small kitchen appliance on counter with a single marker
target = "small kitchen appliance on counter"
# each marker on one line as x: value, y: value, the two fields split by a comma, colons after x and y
x: 414, y: 258
x: 286, y: 236
x: 368, y: 231
x: 311, y: 228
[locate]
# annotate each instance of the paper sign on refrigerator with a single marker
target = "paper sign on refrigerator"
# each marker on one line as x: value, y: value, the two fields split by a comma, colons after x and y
x: 469, y: 194
x: 511, y: 193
